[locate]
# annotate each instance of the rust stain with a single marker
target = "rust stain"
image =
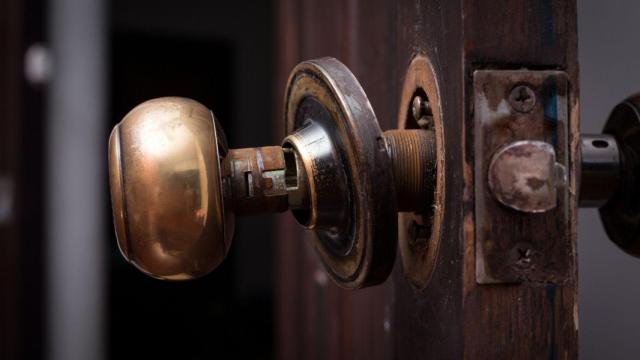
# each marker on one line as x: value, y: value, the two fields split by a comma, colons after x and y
x: 469, y: 274
x: 467, y: 173
x: 521, y: 180
x: 535, y: 183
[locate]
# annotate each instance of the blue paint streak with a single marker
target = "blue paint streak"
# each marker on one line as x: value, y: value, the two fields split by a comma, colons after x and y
x: 550, y: 98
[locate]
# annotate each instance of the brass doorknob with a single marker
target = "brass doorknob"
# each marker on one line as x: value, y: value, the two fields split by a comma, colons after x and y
x: 176, y: 186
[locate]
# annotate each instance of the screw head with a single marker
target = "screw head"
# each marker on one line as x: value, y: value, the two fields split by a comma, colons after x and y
x: 522, y: 255
x: 420, y: 107
x: 522, y: 98
x: 421, y: 112
x: 416, y: 107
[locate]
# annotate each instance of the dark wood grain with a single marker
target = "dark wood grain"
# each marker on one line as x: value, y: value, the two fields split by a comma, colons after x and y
x: 526, y: 321
x: 453, y: 317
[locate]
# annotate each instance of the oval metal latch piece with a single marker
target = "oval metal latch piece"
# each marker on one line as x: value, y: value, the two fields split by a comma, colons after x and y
x: 524, y: 176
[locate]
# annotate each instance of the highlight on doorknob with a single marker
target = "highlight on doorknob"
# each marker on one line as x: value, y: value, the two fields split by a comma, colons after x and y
x: 176, y: 186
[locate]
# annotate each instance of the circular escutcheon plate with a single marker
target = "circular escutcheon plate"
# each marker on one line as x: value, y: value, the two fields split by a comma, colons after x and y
x: 330, y: 122
x: 419, y: 258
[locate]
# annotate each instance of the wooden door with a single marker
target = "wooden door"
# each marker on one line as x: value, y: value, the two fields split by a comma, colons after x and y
x: 453, y: 316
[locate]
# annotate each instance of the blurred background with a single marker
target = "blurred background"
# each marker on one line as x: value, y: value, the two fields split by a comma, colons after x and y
x: 70, y: 69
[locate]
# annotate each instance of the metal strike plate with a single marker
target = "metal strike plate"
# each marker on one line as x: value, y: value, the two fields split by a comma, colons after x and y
x: 521, y: 151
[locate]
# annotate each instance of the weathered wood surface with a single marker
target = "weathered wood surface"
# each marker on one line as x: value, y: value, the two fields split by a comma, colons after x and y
x: 453, y: 317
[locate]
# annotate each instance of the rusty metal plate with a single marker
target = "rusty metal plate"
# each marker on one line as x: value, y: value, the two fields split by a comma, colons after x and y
x: 354, y: 218
x: 420, y: 232
x: 513, y: 244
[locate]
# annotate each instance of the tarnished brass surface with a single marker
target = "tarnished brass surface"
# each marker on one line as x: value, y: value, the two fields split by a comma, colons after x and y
x: 413, y: 160
x: 258, y: 180
x: 330, y: 195
x: 520, y: 150
x: 420, y: 229
x: 166, y: 189
x: 176, y: 187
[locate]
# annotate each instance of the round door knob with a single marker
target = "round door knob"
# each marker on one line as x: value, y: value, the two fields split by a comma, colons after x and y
x: 166, y: 189
x: 176, y: 187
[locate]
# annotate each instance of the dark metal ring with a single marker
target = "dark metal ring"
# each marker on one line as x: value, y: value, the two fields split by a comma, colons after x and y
x: 354, y: 217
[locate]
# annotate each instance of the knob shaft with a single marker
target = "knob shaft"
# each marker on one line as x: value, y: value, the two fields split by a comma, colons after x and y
x: 413, y: 159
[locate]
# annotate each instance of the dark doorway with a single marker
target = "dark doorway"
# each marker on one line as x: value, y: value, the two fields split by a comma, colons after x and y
x: 199, y: 54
